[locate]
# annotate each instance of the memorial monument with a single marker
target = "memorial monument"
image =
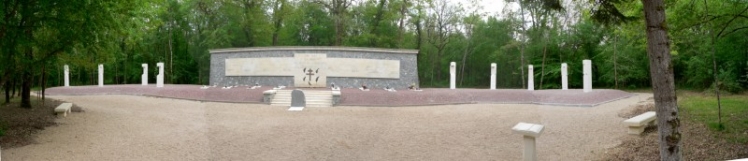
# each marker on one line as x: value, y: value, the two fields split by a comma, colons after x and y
x: 564, y: 77
x: 314, y: 67
x: 452, y: 75
x: 67, y: 76
x: 101, y: 75
x: 144, y: 77
x: 493, y: 76
x: 160, y: 76
x: 587, y: 72
x: 530, y: 81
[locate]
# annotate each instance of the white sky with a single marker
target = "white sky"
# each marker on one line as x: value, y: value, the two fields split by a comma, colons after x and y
x: 488, y: 7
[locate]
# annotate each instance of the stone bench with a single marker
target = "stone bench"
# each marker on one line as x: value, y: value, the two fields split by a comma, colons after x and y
x: 335, y: 97
x: 268, y: 96
x: 637, y: 124
x: 63, y: 108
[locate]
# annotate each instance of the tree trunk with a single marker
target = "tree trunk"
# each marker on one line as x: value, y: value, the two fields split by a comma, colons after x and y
x: 615, y: 63
x: 542, y: 66
x: 661, y: 72
x: 7, y: 93
x: 44, y: 79
x: 26, y: 89
x: 15, y: 87
x: 464, y: 61
x: 522, y: 64
x: 401, y: 25
x: 377, y: 19
x: 278, y: 23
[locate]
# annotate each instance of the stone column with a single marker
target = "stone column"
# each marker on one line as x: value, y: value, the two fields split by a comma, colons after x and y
x: 587, y: 72
x: 101, y: 75
x: 452, y: 74
x: 493, y: 76
x: 529, y: 133
x: 530, y: 81
x: 67, y: 76
x: 144, y: 77
x: 160, y: 76
x: 564, y: 77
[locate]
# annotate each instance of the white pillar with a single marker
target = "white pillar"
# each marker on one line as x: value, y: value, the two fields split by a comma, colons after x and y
x: 452, y: 74
x: 530, y: 81
x: 587, y: 72
x: 101, y: 75
x: 67, y: 76
x: 493, y: 76
x: 160, y: 76
x: 144, y: 77
x: 529, y: 133
x: 564, y: 77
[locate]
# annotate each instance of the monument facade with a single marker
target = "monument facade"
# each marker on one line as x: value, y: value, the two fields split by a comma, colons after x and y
x: 314, y: 67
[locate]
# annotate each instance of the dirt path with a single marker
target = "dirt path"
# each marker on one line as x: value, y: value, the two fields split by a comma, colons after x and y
x: 117, y: 127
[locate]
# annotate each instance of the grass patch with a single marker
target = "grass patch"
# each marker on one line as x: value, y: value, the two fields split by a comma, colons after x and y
x: 703, y: 108
x: 3, y: 128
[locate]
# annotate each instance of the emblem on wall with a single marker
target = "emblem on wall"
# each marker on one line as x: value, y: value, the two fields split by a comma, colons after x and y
x: 309, y: 74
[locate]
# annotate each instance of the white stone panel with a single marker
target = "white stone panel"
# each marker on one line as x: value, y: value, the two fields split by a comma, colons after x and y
x: 452, y: 75
x: 67, y: 76
x: 101, y: 75
x: 564, y: 77
x: 530, y: 78
x: 311, y: 70
x: 333, y: 67
x: 493, y: 76
x: 160, y: 76
x: 587, y: 72
x: 363, y: 68
x: 282, y: 66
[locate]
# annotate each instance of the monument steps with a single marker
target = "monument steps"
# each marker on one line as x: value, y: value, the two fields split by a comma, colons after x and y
x: 313, y: 98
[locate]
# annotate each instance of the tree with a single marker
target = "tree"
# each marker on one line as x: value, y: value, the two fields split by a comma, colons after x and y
x: 339, y: 11
x: 663, y: 83
x: 440, y: 25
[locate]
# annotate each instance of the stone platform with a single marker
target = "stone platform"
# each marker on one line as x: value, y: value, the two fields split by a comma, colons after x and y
x: 356, y: 97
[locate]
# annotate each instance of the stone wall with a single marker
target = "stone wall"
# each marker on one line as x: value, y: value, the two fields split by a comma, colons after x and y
x: 407, y: 58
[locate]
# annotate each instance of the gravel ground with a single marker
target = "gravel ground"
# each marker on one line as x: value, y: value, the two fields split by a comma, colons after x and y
x: 442, y: 96
x: 375, y: 97
x: 123, y: 127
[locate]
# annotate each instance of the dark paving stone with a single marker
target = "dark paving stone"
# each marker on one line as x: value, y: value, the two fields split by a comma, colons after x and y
x: 356, y: 97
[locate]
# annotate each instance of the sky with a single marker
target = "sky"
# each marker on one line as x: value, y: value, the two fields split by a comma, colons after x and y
x: 490, y: 7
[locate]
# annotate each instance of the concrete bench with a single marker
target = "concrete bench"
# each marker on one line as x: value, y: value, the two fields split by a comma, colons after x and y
x: 63, y: 108
x: 268, y: 96
x: 637, y: 124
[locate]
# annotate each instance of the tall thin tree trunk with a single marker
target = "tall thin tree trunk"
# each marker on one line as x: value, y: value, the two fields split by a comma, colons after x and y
x: 716, y: 81
x: 6, y: 88
x: 663, y: 84
x: 44, y: 80
x: 542, y: 66
x: 27, y: 80
x: 26, y: 88
x: 401, y: 25
x: 522, y: 65
x: 171, y: 62
x: 464, y: 62
x: 714, y: 68
x: 14, y: 87
x: 615, y: 62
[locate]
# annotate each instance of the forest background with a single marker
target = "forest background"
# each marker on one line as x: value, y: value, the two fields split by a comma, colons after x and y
x: 37, y: 37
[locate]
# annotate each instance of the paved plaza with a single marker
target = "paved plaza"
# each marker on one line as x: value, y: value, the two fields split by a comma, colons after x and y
x: 130, y: 126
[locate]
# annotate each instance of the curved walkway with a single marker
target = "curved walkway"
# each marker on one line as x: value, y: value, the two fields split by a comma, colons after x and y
x: 355, y: 97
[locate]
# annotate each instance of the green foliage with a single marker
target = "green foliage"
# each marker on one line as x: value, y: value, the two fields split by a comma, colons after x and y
x: 3, y: 127
x: 124, y: 34
x: 703, y: 109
